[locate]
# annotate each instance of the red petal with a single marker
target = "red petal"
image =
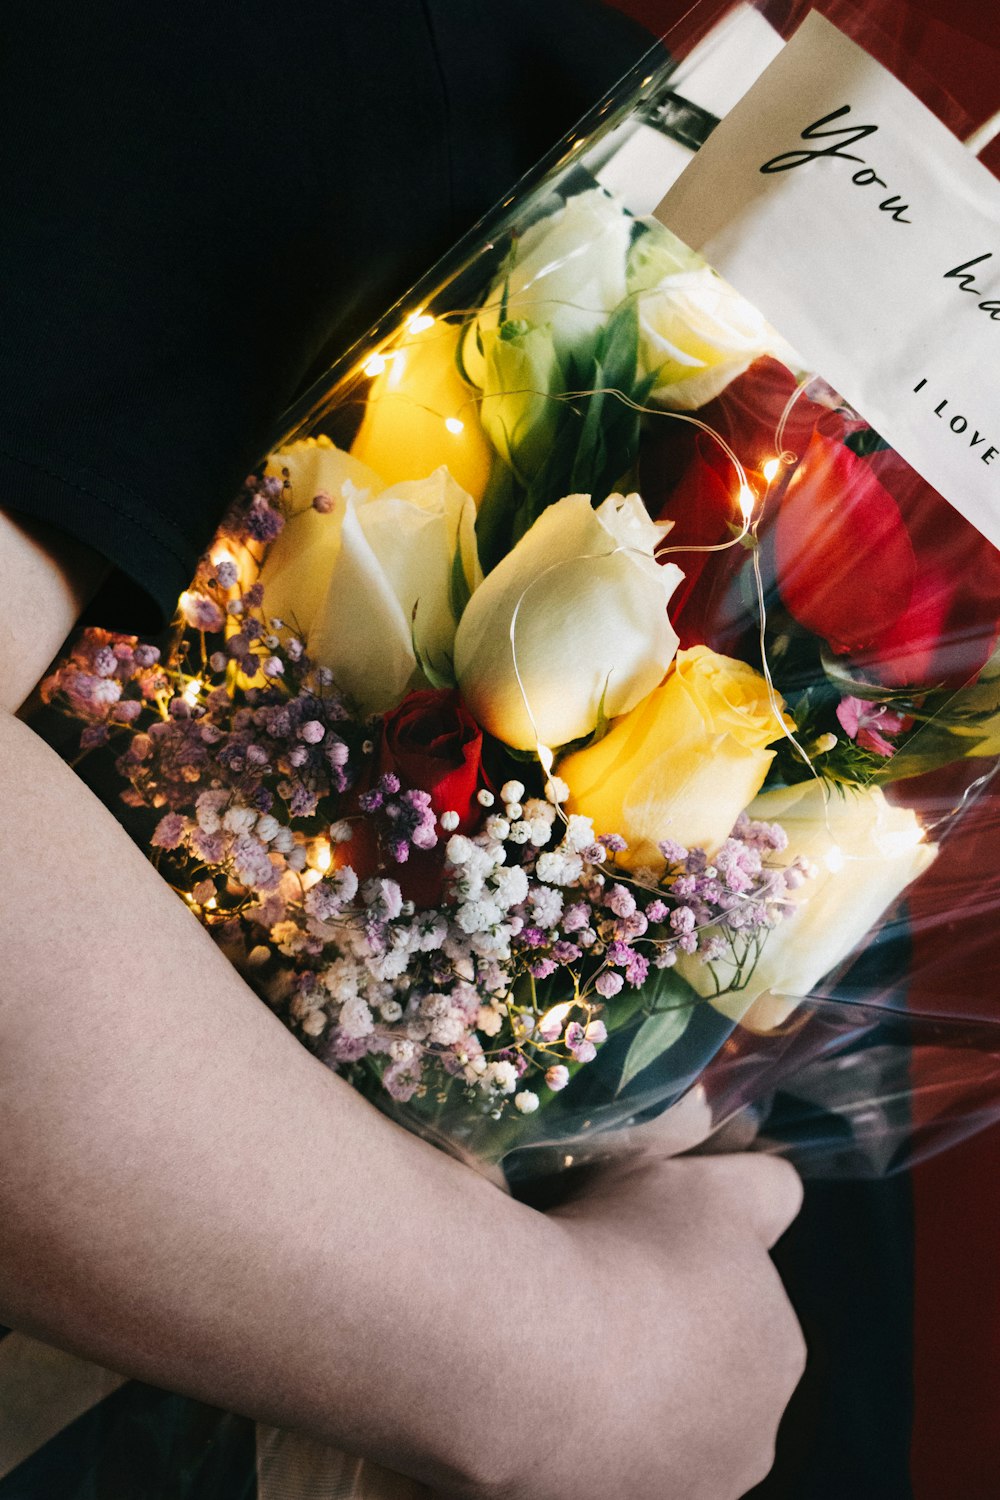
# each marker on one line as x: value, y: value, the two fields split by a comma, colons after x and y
x: 846, y: 566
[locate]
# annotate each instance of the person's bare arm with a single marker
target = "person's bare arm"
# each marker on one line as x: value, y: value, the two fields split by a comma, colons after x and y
x: 186, y: 1195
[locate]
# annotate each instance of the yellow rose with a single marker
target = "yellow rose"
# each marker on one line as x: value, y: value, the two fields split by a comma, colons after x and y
x: 683, y: 764
x: 420, y: 414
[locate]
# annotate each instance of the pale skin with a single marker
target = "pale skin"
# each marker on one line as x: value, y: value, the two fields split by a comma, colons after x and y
x: 187, y: 1196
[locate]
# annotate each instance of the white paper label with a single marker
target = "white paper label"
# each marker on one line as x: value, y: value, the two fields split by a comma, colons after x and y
x: 870, y: 237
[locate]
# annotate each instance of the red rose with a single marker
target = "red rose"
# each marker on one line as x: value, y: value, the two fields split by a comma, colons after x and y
x: 687, y: 478
x: 877, y: 563
x: 434, y: 745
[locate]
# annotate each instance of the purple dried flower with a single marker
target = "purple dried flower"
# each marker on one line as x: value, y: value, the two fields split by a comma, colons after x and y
x: 262, y: 523
x: 636, y: 969
x: 93, y: 736
x: 105, y: 662
x: 402, y: 1079
x: 169, y: 831
x: 621, y: 901
x: 673, y: 852
x: 201, y: 612
x: 534, y: 937
x: 126, y: 712
x: 541, y: 968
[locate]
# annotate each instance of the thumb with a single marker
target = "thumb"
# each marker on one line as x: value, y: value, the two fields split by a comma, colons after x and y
x: 773, y: 1195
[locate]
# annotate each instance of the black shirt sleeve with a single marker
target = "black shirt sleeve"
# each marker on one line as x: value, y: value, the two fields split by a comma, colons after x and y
x: 200, y: 200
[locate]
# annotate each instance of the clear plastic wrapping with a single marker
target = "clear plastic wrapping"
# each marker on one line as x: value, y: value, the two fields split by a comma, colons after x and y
x: 688, y: 676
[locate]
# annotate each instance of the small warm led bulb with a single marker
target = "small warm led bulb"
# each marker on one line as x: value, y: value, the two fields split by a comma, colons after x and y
x: 454, y: 424
x: 375, y: 366
x: 419, y: 323
x: 191, y: 691
x: 320, y: 855
x: 770, y: 469
x: 747, y: 500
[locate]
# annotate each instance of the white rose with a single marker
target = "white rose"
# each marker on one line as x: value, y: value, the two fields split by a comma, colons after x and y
x: 377, y: 581
x: 865, y: 852
x: 696, y: 333
x: 407, y: 560
x: 538, y: 663
x: 568, y: 273
x: 517, y: 411
x: 297, y: 568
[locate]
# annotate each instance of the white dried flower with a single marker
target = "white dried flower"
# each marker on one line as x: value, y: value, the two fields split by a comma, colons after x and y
x: 400, y: 1050
x: 459, y: 849
x: 558, y: 867
x: 239, y: 819
x: 355, y: 1019
x: 489, y: 1020
x: 502, y: 1076
x: 579, y: 833
x: 526, y: 1102
x: 478, y: 916
x: 511, y: 886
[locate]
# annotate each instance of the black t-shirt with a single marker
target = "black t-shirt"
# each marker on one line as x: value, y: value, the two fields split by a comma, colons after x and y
x: 201, y: 200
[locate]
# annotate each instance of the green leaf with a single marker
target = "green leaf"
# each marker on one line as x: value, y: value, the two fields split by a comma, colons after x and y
x: 459, y: 592
x: 865, y: 441
x: 439, y: 674
x: 655, y: 1036
x: 503, y: 497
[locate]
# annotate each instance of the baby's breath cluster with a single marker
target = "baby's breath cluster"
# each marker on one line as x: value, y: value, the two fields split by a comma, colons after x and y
x: 479, y: 948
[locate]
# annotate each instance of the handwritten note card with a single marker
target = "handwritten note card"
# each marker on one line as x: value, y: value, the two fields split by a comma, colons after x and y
x: 870, y: 237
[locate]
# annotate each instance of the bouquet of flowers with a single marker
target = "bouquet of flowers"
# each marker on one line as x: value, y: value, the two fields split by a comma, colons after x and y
x: 552, y: 724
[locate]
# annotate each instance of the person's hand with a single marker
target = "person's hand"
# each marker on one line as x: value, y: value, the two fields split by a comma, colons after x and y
x: 680, y: 1348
